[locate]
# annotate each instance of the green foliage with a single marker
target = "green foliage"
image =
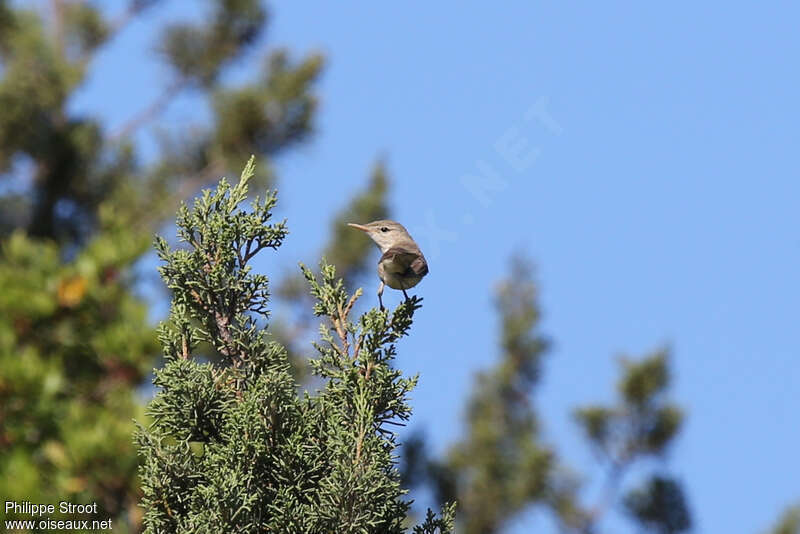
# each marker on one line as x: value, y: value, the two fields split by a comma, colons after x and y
x: 432, y: 524
x: 253, y: 124
x: 660, y: 506
x: 85, y: 29
x: 789, y: 522
x: 198, y: 52
x: 77, y: 210
x: 348, y: 251
x: 76, y: 165
x: 74, y: 343
x: 213, y: 275
x: 76, y: 213
x: 232, y: 447
x: 643, y: 423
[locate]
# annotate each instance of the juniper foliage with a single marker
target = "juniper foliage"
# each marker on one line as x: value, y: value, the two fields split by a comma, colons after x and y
x: 232, y: 446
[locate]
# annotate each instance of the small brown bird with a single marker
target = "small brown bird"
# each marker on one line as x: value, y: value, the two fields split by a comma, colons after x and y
x: 402, y: 264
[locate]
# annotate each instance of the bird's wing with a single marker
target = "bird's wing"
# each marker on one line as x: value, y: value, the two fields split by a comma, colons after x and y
x: 419, y: 266
x: 402, y: 259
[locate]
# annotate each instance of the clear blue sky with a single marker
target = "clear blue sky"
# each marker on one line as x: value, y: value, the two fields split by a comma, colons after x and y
x: 656, y: 188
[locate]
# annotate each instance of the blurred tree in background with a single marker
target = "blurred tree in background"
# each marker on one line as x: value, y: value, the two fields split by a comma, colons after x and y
x: 502, y: 466
x: 789, y: 522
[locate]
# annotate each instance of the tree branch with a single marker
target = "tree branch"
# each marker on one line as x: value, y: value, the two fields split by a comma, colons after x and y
x: 199, y: 179
x: 57, y: 7
x: 609, y: 491
x: 152, y: 111
x: 135, y: 7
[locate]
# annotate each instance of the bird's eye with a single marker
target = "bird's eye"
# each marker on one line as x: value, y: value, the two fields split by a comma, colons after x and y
x: 384, y: 229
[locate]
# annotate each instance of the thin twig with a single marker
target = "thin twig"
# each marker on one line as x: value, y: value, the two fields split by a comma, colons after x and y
x: 357, y: 348
x: 57, y: 7
x: 360, y: 443
x: 198, y: 299
x: 350, y: 304
x: 338, y: 323
x: 199, y: 179
x: 368, y: 372
x: 153, y: 110
x: 134, y: 8
x: 610, y: 488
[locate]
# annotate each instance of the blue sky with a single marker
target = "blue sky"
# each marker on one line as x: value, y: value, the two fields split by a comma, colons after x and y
x: 644, y: 156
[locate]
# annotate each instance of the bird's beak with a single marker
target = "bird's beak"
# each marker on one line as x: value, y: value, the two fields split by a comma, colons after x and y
x: 359, y: 226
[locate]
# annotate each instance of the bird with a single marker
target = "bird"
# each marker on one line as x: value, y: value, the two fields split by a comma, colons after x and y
x: 402, y: 264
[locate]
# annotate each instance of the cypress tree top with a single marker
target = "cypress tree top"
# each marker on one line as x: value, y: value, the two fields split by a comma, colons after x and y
x: 232, y: 446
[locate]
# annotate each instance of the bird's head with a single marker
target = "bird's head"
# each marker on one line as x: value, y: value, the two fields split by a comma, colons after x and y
x: 385, y: 233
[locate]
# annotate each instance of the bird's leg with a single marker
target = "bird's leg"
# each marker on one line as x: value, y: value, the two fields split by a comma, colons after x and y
x: 405, y: 294
x: 380, y: 294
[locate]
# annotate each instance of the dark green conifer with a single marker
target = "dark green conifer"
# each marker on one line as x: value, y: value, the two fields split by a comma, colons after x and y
x: 232, y: 446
